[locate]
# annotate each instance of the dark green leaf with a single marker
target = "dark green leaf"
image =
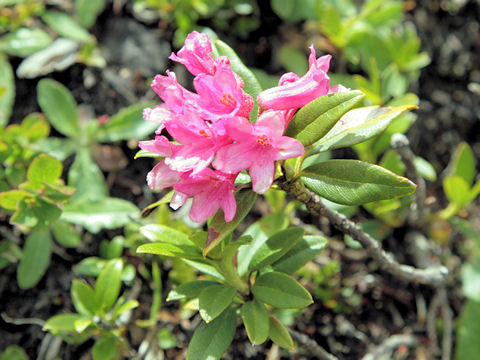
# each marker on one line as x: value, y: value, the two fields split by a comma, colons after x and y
x: 84, y: 299
x: 219, y: 229
x: 65, y: 234
x: 210, y: 341
x: 7, y: 87
x: 279, y: 334
x: 468, y: 332
x: 87, y: 178
x: 353, y: 182
x: 24, y: 41
x: 313, y: 121
x: 59, y: 106
x: 65, y: 26
x: 35, y: 259
x: 127, y: 124
x: 106, y: 213
x: 255, y: 318
x: 108, y: 284
x: 14, y: 352
x: 105, y: 348
x: 304, y: 251
x: 275, y: 247
x: 359, y: 125
x: 90, y: 266
x: 213, y: 300
x: 189, y: 290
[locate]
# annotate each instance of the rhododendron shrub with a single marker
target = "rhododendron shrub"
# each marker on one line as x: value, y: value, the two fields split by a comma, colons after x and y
x: 213, y: 139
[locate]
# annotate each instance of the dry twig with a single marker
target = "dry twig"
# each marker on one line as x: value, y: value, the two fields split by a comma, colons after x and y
x: 311, y: 346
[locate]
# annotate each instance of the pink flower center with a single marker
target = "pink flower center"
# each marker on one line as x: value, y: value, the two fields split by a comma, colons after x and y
x: 204, y: 133
x: 263, y: 140
x: 227, y: 100
x: 214, y: 182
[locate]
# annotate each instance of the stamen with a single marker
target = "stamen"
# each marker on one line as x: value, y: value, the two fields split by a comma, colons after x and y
x: 263, y: 140
x: 228, y: 100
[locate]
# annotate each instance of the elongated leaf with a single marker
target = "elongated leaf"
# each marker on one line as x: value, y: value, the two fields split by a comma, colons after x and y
x: 468, y: 331
x: 219, y: 229
x: 65, y: 26
x: 276, y: 246
x: 463, y: 163
x: 106, y: 213
x: 359, y: 125
x: 304, y: 251
x: 353, y: 182
x: 10, y: 199
x: 281, y: 291
x: 279, y: 334
x: 35, y: 259
x: 64, y: 322
x: 13, y: 352
x: 108, y: 284
x: 65, y: 234
x: 255, y: 318
x: 85, y: 176
x: 213, y: 300
x: 44, y: 169
x: 252, y: 86
x: 59, y: 106
x: 315, y: 119
x: 189, y: 290
x: 7, y: 90
x: 59, y: 148
x: 154, y: 232
x: 127, y: 124
x: 25, y: 41
x: 210, y: 341
x: 84, y: 299
x: 167, y: 249
x: 88, y: 10
x: 457, y: 190
x: 128, y: 305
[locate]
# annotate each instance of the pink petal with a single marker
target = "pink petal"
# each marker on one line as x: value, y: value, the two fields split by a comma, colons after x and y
x: 178, y: 199
x: 161, y: 177
x: 262, y: 174
x: 203, y: 207
x: 288, y: 148
x: 229, y: 206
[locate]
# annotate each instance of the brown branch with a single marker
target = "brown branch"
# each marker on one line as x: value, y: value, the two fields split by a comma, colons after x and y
x: 311, y: 346
x: 433, y: 276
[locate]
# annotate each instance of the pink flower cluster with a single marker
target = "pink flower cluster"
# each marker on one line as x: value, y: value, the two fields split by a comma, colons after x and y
x: 213, y: 138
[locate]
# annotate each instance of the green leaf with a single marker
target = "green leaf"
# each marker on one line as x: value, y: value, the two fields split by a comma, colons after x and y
x: 63, y: 322
x: 84, y: 299
x: 105, y: 348
x: 468, y: 332
x: 315, y: 119
x: 128, y: 305
x: 457, y: 190
x: 260, y: 231
x: 65, y: 26
x: 353, y: 182
x: 90, y: 266
x: 166, y: 249
x: 127, y: 124
x: 252, y: 86
x: 35, y: 127
x: 304, y: 251
x: 88, y: 10
x: 108, y: 284
x: 281, y: 291
x: 213, y: 300
x: 10, y: 199
x: 24, y: 41
x: 59, y: 148
x: 44, y: 169
x: 255, y: 318
x: 424, y: 168
x: 275, y: 247
x: 211, y: 340
x: 14, y: 352
x: 279, y: 334
x: 471, y: 280
x: 359, y: 125
x: 65, y: 234
x: 7, y: 87
x: 219, y: 229
x: 292, y: 59
x: 166, y: 340
x: 35, y: 259
x: 106, y: 213
x: 59, y: 106
x: 189, y: 290
x: 87, y: 178
x: 463, y: 164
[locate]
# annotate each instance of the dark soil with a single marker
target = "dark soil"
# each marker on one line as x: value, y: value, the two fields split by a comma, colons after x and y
x: 379, y: 305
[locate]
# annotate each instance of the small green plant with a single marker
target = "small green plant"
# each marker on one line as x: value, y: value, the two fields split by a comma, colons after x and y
x: 100, y: 314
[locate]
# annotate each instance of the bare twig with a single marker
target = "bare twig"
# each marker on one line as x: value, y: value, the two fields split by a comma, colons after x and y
x: 385, y: 349
x: 431, y: 323
x: 22, y: 321
x: 311, y: 346
x: 402, y: 145
x: 447, y: 316
x: 433, y: 276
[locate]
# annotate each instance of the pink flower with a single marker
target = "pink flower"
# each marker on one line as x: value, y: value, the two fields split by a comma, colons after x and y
x: 257, y: 147
x: 210, y: 190
x: 196, y: 54
x: 161, y: 146
x: 161, y: 177
x: 175, y: 95
x: 295, y: 93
